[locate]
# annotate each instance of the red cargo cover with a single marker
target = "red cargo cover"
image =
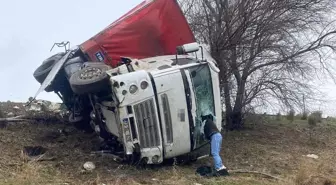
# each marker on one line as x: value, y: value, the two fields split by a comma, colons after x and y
x: 155, y: 27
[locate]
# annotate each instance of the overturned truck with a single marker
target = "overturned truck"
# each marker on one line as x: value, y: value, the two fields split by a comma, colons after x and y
x: 142, y: 84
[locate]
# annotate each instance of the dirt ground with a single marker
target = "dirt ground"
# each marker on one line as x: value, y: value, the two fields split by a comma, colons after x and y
x: 275, y: 148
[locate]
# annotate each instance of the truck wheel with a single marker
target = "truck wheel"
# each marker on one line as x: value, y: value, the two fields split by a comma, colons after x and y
x: 91, y: 79
x: 43, y: 70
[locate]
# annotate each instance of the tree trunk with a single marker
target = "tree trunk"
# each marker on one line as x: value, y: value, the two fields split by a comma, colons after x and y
x: 227, y: 101
x: 225, y: 87
x: 237, y: 113
x: 233, y: 116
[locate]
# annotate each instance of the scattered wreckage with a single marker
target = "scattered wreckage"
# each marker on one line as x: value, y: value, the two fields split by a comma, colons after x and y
x: 34, y: 110
x: 148, y: 105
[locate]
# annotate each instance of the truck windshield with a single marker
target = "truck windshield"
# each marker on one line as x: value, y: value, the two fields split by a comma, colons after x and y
x: 202, y: 87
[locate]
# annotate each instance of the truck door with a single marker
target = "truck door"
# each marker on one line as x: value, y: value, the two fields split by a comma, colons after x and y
x: 174, y: 113
x: 200, y: 81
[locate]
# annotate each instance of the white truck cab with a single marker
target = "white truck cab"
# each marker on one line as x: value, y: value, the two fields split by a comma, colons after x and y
x: 146, y: 109
x: 157, y: 107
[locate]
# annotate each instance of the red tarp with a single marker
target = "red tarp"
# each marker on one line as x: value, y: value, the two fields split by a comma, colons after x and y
x: 155, y: 27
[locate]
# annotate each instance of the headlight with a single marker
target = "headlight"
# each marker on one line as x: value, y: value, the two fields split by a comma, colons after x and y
x: 144, y: 85
x: 133, y: 89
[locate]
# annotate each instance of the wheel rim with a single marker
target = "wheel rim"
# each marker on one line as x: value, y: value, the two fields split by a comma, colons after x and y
x: 90, y: 73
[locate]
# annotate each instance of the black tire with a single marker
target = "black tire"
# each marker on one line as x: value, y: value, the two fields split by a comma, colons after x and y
x: 43, y: 70
x: 93, y: 83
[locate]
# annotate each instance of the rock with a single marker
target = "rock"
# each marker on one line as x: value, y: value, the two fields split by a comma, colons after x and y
x: 312, y: 156
x: 197, y: 184
x: 89, y: 166
x: 16, y: 108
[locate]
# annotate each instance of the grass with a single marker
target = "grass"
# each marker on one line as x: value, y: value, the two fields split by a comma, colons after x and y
x: 276, y: 147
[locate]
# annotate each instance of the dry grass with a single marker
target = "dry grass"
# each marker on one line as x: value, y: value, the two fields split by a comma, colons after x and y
x: 276, y: 148
x: 308, y: 174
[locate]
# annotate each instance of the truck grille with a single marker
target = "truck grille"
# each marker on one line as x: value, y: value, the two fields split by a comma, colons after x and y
x: 145, y: 115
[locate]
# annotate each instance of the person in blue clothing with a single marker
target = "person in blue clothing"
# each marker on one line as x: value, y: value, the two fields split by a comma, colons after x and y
x: 211, y: 133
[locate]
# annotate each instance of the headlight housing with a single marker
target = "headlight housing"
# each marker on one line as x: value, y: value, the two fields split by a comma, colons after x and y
x: 144, y: 84
x: 133, y: 89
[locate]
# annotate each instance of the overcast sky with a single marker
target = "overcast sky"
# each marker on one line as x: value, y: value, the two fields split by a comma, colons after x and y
x: 28, y: 29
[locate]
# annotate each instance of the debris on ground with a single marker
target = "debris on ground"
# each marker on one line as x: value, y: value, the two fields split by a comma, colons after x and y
x: 13, y: 119
x: 43, y: 106
x: 37, y: 110
x: 313, y: 156
x: 89, y: 166
x: 34, y: 107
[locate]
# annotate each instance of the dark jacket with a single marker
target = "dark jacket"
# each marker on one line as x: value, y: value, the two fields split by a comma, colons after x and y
x: 210, y: 129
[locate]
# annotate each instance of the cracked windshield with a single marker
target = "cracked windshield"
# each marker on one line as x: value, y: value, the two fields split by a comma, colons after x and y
x: 202, y: 86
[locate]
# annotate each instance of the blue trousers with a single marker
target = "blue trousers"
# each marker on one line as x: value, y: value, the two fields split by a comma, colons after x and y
x: 216, y: 143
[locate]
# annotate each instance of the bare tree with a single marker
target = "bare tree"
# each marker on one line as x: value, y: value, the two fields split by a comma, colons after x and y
x: 268, y: 50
